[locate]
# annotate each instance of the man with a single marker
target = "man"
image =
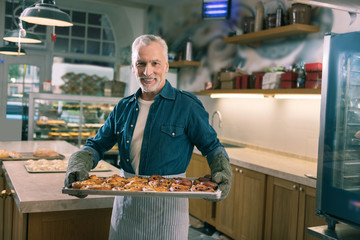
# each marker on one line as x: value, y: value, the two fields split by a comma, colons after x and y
x: 156, y: 130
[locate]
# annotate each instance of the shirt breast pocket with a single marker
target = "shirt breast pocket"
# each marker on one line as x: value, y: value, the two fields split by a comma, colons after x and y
x: 172, y: 130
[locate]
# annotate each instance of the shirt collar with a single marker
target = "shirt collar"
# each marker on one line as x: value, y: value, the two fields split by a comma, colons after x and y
x: 167, y: 92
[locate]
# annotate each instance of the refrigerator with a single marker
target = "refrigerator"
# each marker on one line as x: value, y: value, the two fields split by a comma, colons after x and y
x: 338, y: 173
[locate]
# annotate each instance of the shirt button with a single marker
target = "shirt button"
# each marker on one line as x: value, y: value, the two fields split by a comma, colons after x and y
x: 136, y: 109
x: 127, y: 160
x: 117, y: 132
x: 173, y: 134
x: 131, y: 125
x: 127, y: 141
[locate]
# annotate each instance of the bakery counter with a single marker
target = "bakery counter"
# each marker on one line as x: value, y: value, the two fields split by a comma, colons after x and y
x: 33, y: 206
x: 41, y: 192
x: 281, y: 165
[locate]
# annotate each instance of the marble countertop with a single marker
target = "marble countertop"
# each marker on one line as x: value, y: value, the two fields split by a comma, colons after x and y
x: 274, y: 164
x: 41, y: 192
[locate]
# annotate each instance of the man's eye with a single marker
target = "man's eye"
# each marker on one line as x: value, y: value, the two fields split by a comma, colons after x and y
x: 140, y: 64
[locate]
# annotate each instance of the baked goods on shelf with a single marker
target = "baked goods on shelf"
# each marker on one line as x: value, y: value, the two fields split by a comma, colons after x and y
x: 155, y: 183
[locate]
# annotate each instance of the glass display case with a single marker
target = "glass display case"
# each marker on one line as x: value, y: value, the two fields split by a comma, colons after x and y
x: 67, y: 117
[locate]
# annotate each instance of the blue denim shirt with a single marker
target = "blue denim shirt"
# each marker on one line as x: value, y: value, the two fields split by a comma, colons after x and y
x: 177, y: 122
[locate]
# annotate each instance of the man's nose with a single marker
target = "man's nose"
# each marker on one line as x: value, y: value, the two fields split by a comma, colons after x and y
x: 148, y: 70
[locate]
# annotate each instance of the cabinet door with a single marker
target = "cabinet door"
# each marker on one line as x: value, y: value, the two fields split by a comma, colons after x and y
x: 225, y: 214
x: 307, y: 217
x: 282, y: 203
x: 249, y: 204
x: 198, y: 167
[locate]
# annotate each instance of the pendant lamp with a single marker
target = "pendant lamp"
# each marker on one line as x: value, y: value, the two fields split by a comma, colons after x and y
x: 27, y: 37
x: 12, y: 49
x: 46, y: 13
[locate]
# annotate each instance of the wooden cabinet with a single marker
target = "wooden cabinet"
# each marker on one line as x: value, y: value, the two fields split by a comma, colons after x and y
x: 241, y: 214
x: 77, y: 224
x: 225, y: 210
x: 12, y: 222
x: 200, y: 208
x: 250, y: 206
x: 290, y: 210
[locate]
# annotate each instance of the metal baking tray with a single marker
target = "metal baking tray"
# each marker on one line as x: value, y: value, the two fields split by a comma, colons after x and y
x: 29, y: 156
x: 62, y: 171
x: 208, y: 195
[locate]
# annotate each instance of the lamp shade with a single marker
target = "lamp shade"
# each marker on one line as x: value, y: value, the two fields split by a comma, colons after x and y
x: 13, y: 36
x: 46, y: 14
x: 12, y: 50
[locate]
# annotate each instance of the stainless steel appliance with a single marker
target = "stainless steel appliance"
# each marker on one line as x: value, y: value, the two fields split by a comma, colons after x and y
x: 338, y: 180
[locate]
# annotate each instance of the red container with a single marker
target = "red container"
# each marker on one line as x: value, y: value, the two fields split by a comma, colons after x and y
x: 313, y: 84
x: 313, y: 67
x: 238, y: 82
x: 289, y: 76
x: 313, y: 76
x: 287, y: 84
x: 258, y: 80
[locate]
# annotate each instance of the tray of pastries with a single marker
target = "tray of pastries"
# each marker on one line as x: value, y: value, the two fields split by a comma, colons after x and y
x: 56, y: 166
x: 153, y: 186
x: 42, y: 153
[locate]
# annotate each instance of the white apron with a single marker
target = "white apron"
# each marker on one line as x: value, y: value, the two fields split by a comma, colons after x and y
x: 136, y: 218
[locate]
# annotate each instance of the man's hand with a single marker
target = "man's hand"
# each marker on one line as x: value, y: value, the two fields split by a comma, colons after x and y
x: 80, y: 164
x: 221, y: 174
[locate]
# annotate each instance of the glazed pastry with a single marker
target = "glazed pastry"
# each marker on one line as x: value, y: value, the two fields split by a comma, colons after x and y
x: 202, y: 188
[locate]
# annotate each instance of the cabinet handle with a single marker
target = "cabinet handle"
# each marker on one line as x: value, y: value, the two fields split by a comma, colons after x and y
x: 301, y: 189
x: 240, y: 171
x: 4, y: 194
x: 294, y: 186
x: 236, y: 169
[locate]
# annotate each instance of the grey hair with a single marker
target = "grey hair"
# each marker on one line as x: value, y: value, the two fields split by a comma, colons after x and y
x: 145, y: 40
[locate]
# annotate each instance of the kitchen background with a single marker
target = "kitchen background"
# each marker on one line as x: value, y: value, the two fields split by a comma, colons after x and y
x: 290, y: 126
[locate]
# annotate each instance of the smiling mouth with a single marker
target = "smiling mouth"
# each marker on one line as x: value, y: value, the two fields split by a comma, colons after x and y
x: 147, y: 79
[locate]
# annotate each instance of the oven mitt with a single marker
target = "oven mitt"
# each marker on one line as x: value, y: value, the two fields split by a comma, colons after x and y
x: 80, y: 163
x: 221, y: 173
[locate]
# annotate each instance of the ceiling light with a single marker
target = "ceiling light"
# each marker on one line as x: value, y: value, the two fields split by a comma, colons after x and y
x: 14, y: 35
x: 12, y: 49
x: 46, y: 13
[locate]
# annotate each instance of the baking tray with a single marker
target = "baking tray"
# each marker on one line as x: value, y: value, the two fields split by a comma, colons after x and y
x: 29, y: 156
x: 107, y: 169
x: 63, y: 171
x: 208, y: 195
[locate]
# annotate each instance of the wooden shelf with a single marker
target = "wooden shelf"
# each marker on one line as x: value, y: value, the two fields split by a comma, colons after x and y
x: 263, y: 91
x: 179, y: 64
x: 273, y: 33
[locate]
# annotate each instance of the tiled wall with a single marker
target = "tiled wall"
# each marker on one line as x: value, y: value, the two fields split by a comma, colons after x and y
x: 284, y: 125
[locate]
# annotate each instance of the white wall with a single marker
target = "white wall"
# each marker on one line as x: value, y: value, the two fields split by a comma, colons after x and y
x: 285, y: 125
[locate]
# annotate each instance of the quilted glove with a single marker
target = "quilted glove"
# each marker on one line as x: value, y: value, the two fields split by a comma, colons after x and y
x: 221, y: 174
x: 80, y: 163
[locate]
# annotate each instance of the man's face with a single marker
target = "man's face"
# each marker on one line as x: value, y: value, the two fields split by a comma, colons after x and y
x: 150, y: 68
